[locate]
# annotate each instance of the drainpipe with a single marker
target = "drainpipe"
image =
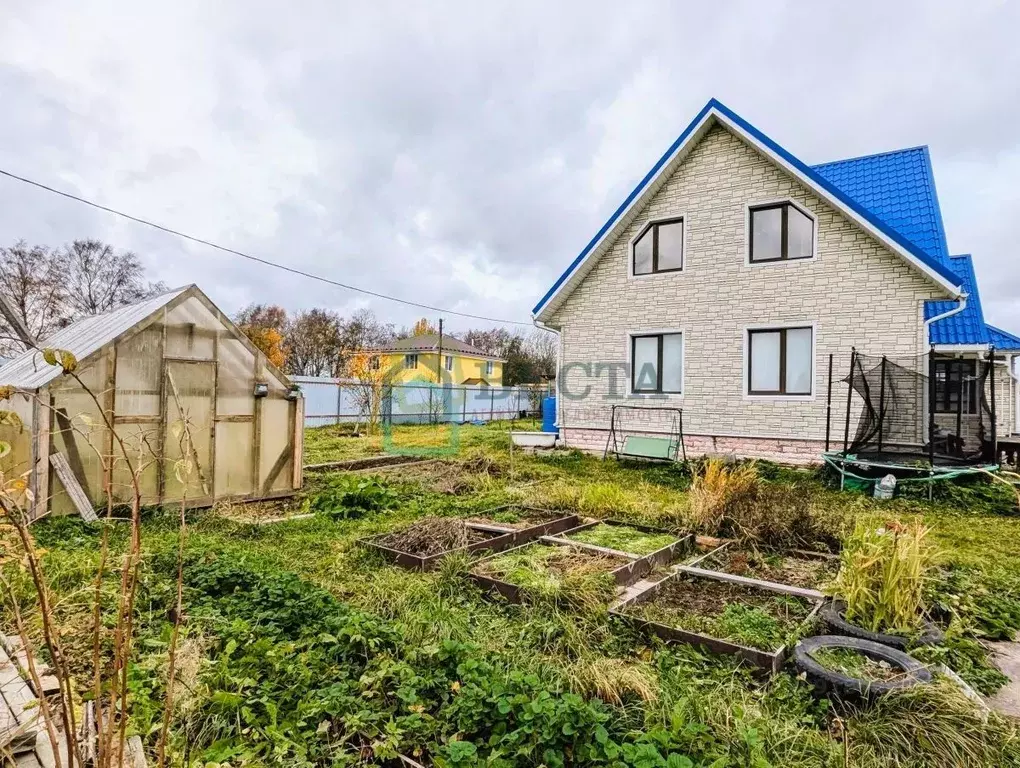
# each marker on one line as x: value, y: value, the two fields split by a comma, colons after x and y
x: 931, y: 347
x: 559, y: 363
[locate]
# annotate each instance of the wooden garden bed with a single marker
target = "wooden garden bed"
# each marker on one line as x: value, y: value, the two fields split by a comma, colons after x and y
x: 758, y: 621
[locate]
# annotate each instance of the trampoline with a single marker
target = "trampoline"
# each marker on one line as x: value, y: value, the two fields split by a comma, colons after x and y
x: 922, y: 419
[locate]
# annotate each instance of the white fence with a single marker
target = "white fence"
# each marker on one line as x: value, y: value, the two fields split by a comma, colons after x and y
x: 336, y: 401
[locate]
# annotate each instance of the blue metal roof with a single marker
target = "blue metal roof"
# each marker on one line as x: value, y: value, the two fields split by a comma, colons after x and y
x: 933, y: 262
x: 966, y: 327
x: 1000, y: 339
x: 899, y: 188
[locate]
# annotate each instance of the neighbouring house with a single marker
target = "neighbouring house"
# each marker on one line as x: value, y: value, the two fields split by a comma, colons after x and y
x: 202, y: 415
x: 732, y: 272
x: 429, y: 358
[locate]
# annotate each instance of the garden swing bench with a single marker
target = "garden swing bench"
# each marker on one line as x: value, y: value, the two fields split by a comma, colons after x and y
x: 662, y: 446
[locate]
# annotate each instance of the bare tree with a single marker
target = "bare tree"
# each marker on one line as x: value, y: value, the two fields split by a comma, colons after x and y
x: 98, y: 278
x: 32, y: 283
x: 317, y: 343
x: 364, y: 329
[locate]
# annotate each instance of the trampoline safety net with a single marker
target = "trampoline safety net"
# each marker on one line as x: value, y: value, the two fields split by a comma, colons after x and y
x: 930, y: 407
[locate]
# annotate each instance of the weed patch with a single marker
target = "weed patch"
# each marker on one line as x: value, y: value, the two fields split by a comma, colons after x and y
x: 623, y: 538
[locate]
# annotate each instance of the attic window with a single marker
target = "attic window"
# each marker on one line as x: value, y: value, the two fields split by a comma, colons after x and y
x: 659, y: 248
x: 781, y: 232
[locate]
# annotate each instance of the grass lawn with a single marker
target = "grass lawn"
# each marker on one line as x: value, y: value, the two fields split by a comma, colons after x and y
x: 302, y: 648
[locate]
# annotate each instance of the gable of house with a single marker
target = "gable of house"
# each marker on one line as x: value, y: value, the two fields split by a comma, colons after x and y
x: 714, y: 114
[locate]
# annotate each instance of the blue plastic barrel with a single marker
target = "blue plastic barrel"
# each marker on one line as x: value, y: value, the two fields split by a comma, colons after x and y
x: 549, y: 414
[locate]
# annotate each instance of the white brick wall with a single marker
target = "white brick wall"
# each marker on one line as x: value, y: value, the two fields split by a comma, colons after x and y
x: 855, y: 291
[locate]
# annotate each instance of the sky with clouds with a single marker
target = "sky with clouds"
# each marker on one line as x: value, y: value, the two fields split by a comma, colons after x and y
x: 460, y: 154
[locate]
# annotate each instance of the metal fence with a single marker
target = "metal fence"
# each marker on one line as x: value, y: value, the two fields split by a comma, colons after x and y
x: 339, y: 401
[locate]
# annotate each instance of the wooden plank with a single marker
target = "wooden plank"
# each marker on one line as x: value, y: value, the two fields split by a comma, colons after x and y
x: 110, y: 408
x: 281, y: 460
x: 21, y: 702
x: 43, y: 411
x: 74, y: 490
x: 235, y: 419
x: 784, y: 589
x: 71, y: 447
x: 298, y: 475
x: 16, y: 651
x: 136, y: 419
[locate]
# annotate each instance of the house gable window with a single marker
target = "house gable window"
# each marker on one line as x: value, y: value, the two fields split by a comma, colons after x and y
x: 374, y: 363
x: 657, y: 363
x: 659, y: 248
x: 780, y: 361
x: 953, y: 379
x: 410, y: 362
x: 780, y: 232
x: 489, y: 367
x: 448, y: 363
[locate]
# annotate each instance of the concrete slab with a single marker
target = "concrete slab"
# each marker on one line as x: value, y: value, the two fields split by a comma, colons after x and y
x: 1006, y: 656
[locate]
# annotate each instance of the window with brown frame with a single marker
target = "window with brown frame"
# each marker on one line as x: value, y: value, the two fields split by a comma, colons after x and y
x: 780, y: 361
x: 956, y: 379
x: 781, y: 232
x: 656, y: 363
x: 659, y: 248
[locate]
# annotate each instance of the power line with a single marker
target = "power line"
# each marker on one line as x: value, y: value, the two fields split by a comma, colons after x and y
x: 248, y: 256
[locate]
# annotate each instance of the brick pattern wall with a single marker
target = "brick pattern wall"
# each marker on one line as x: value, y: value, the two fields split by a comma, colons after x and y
x: 855, y: 291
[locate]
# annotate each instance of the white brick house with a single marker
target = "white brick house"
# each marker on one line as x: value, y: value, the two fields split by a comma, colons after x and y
x: 731, y: 273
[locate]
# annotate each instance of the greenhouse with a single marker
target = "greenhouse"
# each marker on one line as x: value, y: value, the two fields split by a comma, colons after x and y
x: 165, y: 395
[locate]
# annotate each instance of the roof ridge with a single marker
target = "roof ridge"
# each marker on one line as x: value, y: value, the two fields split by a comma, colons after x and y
x: 902, y: 151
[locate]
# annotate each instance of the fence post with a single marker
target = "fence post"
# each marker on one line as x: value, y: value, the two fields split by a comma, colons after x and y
x: 492, y: 402
x: 339, y: 400
x: 463, y: 405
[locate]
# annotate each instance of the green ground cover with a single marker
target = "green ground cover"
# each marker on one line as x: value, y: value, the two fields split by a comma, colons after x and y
x: 302, y: 648
x: 624, y: 538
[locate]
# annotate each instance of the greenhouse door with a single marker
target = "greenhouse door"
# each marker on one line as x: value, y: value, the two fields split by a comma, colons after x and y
x: 188, y: 411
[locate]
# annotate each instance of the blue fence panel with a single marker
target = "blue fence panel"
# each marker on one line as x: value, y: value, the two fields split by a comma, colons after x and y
x: 337, y: 401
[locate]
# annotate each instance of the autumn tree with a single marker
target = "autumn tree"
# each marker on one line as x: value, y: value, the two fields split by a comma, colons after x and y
x: 97, y: 278
x: 265, y: 325
x: 422, y: 327
x: 31, y: 282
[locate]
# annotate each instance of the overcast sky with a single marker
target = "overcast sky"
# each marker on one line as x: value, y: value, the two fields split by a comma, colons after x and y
x: 461, y: 154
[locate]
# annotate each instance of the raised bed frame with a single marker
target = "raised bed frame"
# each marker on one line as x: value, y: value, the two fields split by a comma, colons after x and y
x: 633, y: 569
x: 506, y: 538
x: 768, y: 661
x: 810, y: 594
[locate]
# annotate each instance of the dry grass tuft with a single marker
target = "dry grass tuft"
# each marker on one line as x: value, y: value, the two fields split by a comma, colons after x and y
x: 612, y: 680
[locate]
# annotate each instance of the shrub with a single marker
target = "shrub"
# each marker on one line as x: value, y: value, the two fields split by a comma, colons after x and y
x: 352, y: 497
x: 883, y: 575
x: 721, y: 492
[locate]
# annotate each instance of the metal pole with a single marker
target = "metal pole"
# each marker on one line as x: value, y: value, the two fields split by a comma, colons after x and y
x: 849, y: 401
x: 439, y: 354
x: 959, y: 408
x: 881, y: 404
x: 492, y: 400
x: 463, y: 400
x: 931, y: 409
x: 995, y: 436
x: 846, y: 427
x: 828, y: 406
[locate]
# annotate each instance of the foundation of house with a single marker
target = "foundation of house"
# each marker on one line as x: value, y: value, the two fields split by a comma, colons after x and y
x: 783, y: 450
